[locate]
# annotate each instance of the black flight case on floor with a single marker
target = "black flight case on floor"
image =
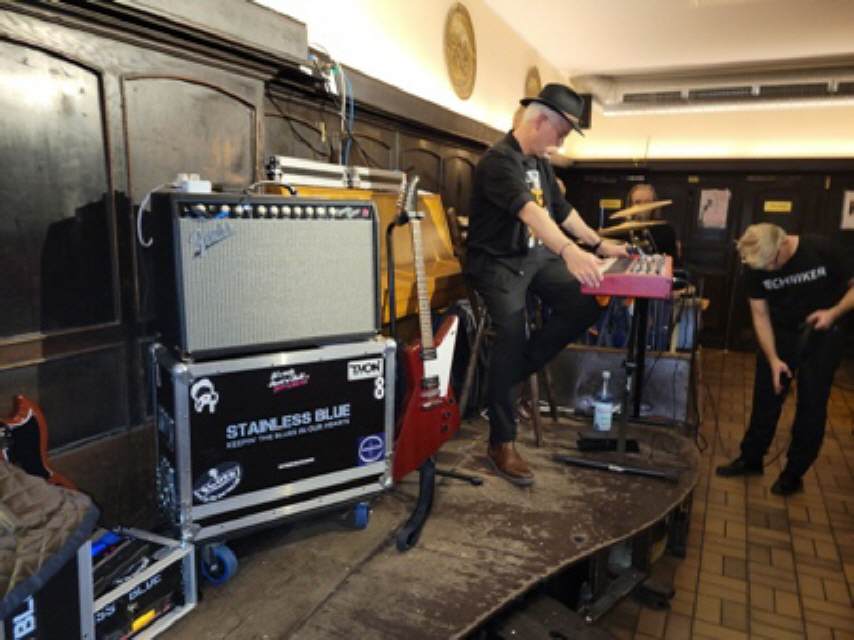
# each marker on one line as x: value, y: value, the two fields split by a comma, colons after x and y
x: 245, y: 442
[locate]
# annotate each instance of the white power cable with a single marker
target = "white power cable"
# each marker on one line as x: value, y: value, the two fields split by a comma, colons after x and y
x: 142, y: 207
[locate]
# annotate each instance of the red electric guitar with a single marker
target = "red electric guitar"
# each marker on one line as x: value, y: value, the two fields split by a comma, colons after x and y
x: 23, y: 442
x: 430, y: 415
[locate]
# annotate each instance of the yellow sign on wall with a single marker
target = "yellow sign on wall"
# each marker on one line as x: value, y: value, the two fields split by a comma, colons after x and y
x: 610, y: 203
x: 778, y: 206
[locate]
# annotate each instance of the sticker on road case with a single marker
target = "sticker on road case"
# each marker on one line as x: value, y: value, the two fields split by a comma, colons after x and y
x: 204, y: 395
x: 218, y: 482
x: 371, y: 449
x: 364, y: 369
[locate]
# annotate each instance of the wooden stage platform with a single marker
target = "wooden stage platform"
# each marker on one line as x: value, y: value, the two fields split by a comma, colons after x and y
x: 482, y: 548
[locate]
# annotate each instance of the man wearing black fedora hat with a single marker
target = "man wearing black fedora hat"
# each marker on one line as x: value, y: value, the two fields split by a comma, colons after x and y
x: 516, y: 244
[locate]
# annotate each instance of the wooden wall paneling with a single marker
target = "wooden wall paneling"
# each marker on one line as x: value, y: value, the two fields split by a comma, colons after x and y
x: 301, y: 129
x: 421, y: 157
x: 54, y: 184
x: 82, y: 396
x: 85, y: 193
x: 184, y: 125
x: 374, y: 145
x: 457, y: 180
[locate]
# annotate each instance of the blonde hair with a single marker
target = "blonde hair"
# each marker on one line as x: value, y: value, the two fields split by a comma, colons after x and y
x: 759, y: 244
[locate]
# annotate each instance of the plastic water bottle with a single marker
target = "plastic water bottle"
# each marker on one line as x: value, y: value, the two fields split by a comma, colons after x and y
x: 603, y: 406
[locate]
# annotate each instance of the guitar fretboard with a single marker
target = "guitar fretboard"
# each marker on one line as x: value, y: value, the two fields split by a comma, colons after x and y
x: 424, y: 318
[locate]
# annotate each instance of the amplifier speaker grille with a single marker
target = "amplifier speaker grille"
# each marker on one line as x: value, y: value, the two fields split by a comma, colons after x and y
x: 243, y: 285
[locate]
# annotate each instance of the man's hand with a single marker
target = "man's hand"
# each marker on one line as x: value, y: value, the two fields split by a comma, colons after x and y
x: 778, y: 369
x: 822, y: 319
x: 611, y: 249
x: 584, y: 266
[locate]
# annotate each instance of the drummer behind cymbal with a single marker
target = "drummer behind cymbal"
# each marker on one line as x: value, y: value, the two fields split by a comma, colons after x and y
x: 663, y: 236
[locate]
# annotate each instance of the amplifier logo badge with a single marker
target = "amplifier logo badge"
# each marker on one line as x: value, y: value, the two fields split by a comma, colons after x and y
x: 288, y: 379
x: 364, y: 369
x: 207, y: 235
x: 371, y: 449
x: 218, y: 482
x: 204, y: 395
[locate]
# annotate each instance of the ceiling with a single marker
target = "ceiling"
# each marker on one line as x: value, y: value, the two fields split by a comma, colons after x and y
x: 665, y: 37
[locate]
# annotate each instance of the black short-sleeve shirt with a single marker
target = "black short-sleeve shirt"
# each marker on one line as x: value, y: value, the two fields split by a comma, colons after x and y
x: 504, y: 181
x: 815, y: 277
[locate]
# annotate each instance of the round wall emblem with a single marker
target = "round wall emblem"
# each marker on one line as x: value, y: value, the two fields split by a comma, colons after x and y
x: 533, y: 84
x: 460, y: 50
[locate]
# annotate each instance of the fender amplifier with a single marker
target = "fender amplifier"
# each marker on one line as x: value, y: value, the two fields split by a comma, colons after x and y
x: 249, y: 273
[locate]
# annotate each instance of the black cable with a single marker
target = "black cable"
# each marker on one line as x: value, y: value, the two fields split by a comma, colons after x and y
x: 300, y: 137
x: 371, y: 161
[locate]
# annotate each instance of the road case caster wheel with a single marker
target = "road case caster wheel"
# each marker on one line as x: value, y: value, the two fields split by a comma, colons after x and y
x: 219, y: 564
x: 361, y: 515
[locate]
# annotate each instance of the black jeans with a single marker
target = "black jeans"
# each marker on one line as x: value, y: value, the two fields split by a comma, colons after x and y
x: 815, y: 369
x: 504, y: 284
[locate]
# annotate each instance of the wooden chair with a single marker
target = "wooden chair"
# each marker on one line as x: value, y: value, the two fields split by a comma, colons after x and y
x: 458, y: 226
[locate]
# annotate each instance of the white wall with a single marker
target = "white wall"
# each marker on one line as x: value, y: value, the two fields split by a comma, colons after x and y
x: 401, y: 42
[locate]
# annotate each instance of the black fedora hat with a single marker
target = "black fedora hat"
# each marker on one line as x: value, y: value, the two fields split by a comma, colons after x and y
x: 562, y: 100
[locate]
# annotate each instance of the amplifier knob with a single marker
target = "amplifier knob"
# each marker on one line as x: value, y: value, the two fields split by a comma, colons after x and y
x: 238, y: 210
x: 224, y: 211
x: 274, y: 211
x: 262, y: 210
x: 332, y: 212
x: 309, y: 212
x: 321, y: 212
x: 286, y: 211
x: 199, y: 210
x: 298, y: 212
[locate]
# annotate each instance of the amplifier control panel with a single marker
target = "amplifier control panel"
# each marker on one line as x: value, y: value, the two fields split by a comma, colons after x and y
x: 278, y: 209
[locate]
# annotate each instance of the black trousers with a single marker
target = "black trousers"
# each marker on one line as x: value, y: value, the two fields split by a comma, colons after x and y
x: 504, y: 285
x: 814, y: 369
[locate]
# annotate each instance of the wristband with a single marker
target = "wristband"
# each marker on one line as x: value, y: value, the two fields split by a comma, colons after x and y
x: 596, y: 246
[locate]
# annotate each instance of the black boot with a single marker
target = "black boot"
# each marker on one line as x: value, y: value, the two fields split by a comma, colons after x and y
x: 787, y: 484
x: 740, y: 467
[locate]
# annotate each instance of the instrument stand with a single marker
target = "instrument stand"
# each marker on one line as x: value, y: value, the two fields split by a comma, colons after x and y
x: 634, y: 365
x: 407, y: 536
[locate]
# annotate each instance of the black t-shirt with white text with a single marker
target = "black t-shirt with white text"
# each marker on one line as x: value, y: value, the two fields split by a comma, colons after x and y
x: 815, y: 277
x: 504, y: 181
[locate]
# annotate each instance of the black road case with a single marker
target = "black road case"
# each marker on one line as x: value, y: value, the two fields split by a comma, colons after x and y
x: 245, y: 442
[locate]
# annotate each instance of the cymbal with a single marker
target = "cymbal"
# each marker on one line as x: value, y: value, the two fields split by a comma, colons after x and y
x: 638, y: 209
x: 632, y: 225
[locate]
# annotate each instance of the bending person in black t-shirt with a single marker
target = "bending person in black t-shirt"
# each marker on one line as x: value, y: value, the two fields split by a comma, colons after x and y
x: 791, y: 281
x: 516, y: 243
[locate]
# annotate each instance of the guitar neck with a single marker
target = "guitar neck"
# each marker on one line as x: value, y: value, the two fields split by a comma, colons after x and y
x: 428, y: 349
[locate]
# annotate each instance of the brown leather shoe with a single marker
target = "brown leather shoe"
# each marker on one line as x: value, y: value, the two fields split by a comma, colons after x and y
x: 509, y: 464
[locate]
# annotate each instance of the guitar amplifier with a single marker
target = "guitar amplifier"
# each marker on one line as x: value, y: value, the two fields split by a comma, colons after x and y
x: 245, y: 442
x: 249, y: 273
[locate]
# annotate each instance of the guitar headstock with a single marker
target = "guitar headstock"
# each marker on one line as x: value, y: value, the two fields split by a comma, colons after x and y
x: 412, y: 200
x: 401, y: 193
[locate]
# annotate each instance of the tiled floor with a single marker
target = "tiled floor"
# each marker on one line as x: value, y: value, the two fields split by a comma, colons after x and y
x: 758, y: 565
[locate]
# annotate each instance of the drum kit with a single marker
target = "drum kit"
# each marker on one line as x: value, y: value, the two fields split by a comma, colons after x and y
x: 626, y: 228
